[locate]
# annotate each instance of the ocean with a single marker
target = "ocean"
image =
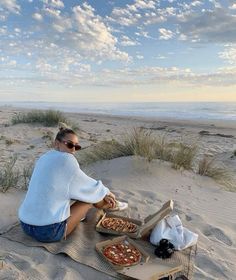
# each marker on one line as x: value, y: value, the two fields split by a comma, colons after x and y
x: 173, y: 110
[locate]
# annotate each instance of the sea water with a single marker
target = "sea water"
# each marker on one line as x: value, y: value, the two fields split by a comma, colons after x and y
x: 173, y: 110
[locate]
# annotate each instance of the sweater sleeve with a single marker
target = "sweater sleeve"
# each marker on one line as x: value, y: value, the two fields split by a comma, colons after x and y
x: 84, y: 188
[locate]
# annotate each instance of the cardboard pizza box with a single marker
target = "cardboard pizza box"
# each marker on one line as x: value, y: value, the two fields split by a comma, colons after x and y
x: 101, y: 245
x: 143, y: 227
x: 145, y: 270
x: 152, y: 270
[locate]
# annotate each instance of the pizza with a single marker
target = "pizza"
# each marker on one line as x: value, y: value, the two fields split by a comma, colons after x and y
x: 118, y: 224
x: 122, y: 253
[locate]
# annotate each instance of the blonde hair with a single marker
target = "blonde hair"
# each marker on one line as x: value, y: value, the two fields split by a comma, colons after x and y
x: 64, y: 129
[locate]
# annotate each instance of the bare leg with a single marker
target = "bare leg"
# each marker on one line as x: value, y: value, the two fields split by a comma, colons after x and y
x: 77, y: 211
x: 101, y: 205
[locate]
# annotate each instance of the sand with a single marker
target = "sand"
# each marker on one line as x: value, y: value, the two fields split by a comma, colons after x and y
x: 204, y: 205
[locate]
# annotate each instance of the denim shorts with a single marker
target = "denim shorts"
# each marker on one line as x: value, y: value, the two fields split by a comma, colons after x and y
x: 48, y: 233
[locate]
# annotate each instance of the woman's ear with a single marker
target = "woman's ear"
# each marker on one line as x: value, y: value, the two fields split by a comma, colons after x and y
x: 56, y: 144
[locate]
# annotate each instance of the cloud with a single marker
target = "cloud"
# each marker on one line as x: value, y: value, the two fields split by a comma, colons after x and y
x: 92, y: 36
x: 141, y: 4
x: 57, y: 3
x: 196, y: 3
x: 135, y: 13
x: 217, y: 26
x: 161, y: 57
x: 123, y: 17
x: 7, y: 63
x: 3, y: 30
x: 82, y: 32
x: 65, y: 46
x: 184, y: 77
x: 215, y: 3
x: 54, y: 3
x: 63, y: 49
x: 233, y: 7
x: 52, y: 12
x: 11, y: 6
x: 37, y: 16
x: 229, y: 54
x: 126, y: 41
x: 165, y: 34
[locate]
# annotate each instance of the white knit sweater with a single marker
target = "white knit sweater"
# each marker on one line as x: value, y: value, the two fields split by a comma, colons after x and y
x: 57, y: 178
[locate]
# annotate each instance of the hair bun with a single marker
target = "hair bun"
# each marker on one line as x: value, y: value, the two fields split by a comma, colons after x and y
x: 63, y: 126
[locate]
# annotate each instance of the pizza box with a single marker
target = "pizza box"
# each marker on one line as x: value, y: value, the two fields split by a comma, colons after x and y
x: 152, y: 270
x: 145, y: 270
x: 143, y: 227
x: 100, y: 246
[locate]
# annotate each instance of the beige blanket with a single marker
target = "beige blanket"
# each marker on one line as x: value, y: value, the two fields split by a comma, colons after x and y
x: 80, y: 246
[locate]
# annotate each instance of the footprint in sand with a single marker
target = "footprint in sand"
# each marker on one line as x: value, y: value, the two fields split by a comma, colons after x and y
x: 188, y: 218
x: 19, y: 263
x: 218, y: 234
x: 211, y: 268
x: 193, y: 217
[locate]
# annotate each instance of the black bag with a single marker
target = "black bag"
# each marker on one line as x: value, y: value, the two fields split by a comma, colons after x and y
x: 164, y: 249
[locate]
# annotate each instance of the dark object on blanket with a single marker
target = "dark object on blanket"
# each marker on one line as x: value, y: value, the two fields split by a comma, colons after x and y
x: 182, y: 277
x: 165, y: 249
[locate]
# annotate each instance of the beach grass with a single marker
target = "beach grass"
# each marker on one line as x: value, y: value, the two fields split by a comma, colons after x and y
x: 9, y: 177
x: 26, y: 175
x: 9, y: 142
x: 208, y: 166
x: 163, y: 148
x: 139, y: 142
x: 105, y: 150
x: 183, y: 156
x: 47, y: 118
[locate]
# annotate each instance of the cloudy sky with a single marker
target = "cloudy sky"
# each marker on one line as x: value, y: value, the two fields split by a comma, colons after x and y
x: 117, y: 50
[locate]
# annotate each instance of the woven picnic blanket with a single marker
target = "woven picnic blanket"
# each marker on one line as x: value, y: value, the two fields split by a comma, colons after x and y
x: 80, y: 246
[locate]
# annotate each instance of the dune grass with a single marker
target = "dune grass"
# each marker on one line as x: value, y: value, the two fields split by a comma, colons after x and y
x: 208, y: 166
x: 9, y: 177
x: 47, y: 118
x: 105, y: 150
x: 141, y: 142
x: 164, y: 148
x: 183, y: 156
x: 26, y: 175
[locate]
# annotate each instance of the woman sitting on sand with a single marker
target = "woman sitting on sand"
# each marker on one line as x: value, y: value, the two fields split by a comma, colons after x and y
x: 45, y: 213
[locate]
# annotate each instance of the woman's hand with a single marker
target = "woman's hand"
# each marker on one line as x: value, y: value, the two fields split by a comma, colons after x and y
x: 110, y: 200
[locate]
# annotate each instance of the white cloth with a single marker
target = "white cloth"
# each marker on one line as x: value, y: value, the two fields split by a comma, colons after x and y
x: 57, y: 178
x: 171, y: 228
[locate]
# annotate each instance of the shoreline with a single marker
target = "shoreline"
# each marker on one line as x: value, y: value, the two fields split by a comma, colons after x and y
x: 214, y: 123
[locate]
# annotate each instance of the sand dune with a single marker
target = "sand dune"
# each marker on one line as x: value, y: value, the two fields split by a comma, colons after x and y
x: 202, y: 204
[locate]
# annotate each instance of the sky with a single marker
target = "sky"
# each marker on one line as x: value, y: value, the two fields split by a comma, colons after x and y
x: 117, y: 51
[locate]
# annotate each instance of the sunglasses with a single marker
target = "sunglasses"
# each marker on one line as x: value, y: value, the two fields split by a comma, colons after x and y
x: 71, y: 145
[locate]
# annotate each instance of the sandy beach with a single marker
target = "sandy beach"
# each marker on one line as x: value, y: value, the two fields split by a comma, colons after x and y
x: 204, y: 205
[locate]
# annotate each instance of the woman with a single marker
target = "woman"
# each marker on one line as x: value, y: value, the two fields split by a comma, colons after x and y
x: 46, y: 213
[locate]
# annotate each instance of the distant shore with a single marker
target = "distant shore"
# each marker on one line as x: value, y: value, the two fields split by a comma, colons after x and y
x: 160, y: 110
x: 168, y: 120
